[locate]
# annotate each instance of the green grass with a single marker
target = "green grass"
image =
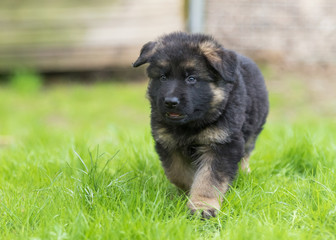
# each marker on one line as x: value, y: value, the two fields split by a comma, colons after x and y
x: 78, y: 162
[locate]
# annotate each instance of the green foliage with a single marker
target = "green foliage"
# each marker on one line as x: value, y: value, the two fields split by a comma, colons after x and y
x: 25, y: 81
x: 82, y: 165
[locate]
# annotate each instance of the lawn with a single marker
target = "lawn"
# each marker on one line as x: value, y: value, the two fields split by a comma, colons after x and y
x: 78, y: 162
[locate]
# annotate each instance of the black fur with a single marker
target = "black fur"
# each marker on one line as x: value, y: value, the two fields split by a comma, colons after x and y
x: 208, y: 105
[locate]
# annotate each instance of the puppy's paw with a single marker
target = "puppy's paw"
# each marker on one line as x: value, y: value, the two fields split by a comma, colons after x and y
x: 205, y: 209
x: 204, y: 213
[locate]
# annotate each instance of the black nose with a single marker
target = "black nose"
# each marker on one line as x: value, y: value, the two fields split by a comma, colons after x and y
x: 171, y: 102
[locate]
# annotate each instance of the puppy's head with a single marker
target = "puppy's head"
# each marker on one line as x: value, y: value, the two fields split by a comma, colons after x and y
x: 191, y: 76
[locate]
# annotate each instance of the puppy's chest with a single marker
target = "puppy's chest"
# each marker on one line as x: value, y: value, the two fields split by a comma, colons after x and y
x: 187, y: 141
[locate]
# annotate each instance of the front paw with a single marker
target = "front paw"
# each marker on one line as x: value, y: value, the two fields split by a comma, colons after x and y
x: 206, y: 207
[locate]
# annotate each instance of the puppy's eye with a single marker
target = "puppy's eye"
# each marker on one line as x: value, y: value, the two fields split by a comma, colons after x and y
x: 191, y: 80
x: 163, y: 77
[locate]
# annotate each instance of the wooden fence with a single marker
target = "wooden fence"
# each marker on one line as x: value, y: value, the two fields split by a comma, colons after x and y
x: 79, y: 36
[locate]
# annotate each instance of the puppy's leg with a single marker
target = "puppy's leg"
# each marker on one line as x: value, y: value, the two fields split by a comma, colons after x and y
x: 179, y: 172
x: 249, y: 146
x: 245, y: 166
x: 217, y: 168
x: 207, y: 191
x: 176, y: 168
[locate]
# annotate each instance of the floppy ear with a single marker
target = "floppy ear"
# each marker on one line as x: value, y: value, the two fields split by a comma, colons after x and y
x: 145, y: 54
x: 222, y: 60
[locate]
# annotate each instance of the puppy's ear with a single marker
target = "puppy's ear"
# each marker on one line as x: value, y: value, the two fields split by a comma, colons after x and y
x: 222, y: 60
x: 145, y: 54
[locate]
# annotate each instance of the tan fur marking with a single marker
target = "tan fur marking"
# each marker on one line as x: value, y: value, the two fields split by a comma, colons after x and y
x: 162, y: 63
x: 204, y: 203
x: 206, y: 194
x: 218, y: 95
x: 213, y: 134
x: 207, y: 136
x: 163, y: 137
x: 179, y: 172
x: 209, y: 50
x: 245, y: 166
x: 191, y: 63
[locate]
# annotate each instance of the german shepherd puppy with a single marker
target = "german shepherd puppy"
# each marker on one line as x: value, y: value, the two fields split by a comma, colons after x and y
x: 208, y: 106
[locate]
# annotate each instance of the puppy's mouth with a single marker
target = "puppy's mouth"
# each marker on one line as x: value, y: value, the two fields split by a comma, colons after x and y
x: 174, y: 116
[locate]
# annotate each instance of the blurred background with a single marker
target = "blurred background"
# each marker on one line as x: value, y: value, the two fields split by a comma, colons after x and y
x: 83, y: 35
x: 44, y: 43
